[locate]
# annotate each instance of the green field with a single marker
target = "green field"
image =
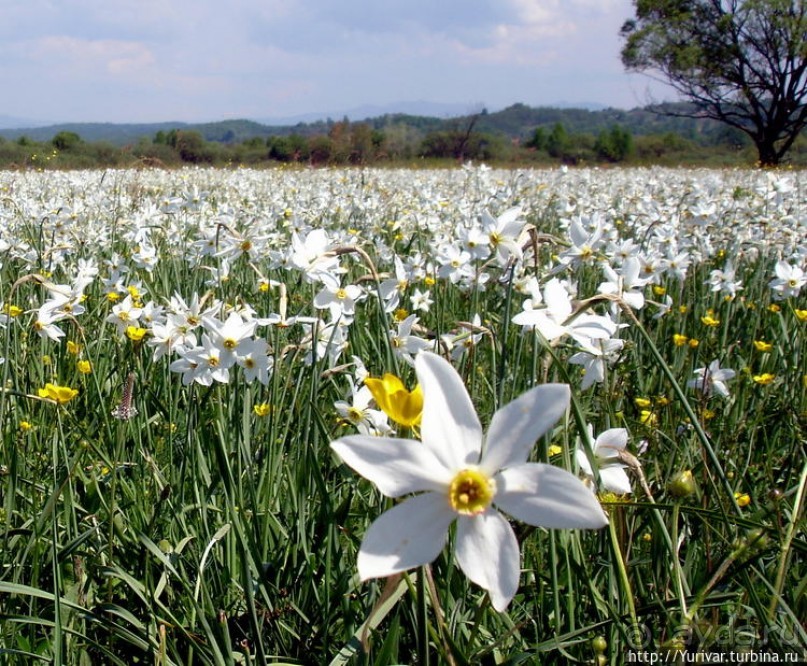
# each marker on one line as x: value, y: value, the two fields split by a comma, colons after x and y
x: 182, y: 349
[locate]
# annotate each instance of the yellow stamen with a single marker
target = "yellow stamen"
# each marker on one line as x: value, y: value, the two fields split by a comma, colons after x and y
x: 471, y: 492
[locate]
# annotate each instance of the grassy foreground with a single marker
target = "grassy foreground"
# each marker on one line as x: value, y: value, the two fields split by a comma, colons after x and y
x: 169, y: 495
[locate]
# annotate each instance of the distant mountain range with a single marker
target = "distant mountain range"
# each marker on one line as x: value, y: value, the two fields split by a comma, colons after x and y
x: 517, y: 121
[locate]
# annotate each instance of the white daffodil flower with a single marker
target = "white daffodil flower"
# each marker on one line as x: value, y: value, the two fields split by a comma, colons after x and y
x: 607, y: 449
x: 461, y: 475
x: 712, y: 379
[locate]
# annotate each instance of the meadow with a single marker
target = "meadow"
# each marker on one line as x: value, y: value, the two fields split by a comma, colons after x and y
x: 214, y: 382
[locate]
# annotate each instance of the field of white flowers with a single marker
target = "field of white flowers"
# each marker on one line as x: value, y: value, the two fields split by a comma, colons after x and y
x: 463, y: 416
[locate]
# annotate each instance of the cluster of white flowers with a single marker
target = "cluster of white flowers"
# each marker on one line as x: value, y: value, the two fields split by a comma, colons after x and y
x: 320, y: 246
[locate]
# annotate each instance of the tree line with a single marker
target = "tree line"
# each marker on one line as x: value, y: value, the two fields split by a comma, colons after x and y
x: 359, y: 143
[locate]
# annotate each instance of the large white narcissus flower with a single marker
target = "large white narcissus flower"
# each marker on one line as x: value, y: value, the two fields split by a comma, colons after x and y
x: 461, y: 475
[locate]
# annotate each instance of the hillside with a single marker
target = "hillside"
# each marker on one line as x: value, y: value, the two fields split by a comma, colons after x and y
x: 518, y: 121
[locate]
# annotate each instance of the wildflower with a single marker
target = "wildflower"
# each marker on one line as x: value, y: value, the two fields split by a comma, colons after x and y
x: 683, y: 309
x: 253, y: 356
x: 402, y: 406
x: 648, y: 417
x: 724, y: 281
x: 61, y: 395
x: 84, y: 367
x: 801, y: 315
x: 693, y: 343
x: 124, y: 314
x: 642, y: 403
x: 404, y: 343
x: 340, y: 301
x: 357, y: 412
x: 554, y: 450
x: 421, y: 300
x: 789, y: 280
x: 679, y: 340
x: 709, y: 320
x: 73, y: 348
x: 503, y: 233
x: 626, y: 284
x: 458, y: 480
x: 608, y: 448
x: 762, y: 346
x: 594, y: 364
x: 262, y: 409
x: 743, y: 499
x: 712, y: 379
x: 229, y: 336
x: 774, y: 307
x: 12, y: 310
x: 45, y: 324
x: 135, y: 333
x: 550, y: 321
x: 764, y: 379
x: 25, y: 426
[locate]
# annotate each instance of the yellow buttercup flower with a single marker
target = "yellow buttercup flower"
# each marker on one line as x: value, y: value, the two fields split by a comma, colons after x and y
x: 773, y: 307
x: 764, y: 379
x: 648, y: 418
x: 113, y: 297
x: 709, y: 320
x: 402, y: 406
x: 693, y: 343
x: 135, y: 333
x: 642, y: 402
x: 61, y: 395
x: 25, y: 426
x: 84, y: 367
x: 554, y: 450
x: 743, y: 499
x: 761, y: 345
x: 679, y: 339
x: 12, y: 310
x: 262, y: 409
x: 801, y: 315
x: 73, y: 348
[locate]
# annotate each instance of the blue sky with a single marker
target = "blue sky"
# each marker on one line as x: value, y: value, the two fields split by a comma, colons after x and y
x: 200, y: 60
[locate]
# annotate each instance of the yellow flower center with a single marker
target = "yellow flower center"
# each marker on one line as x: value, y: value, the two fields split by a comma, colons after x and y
x: 341, y: 294
x: 230, y: 344
x: 355, y: 415
x: 471, y: 492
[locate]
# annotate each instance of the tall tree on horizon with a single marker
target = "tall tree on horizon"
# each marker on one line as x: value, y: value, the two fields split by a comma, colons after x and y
x: 740, y: 62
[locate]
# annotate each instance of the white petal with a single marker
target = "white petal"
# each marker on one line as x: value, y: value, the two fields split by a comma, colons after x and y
x: 582, y: 461
x: 557, y: 300
x: 449, y: 427
x: 547, y: 496
x: 615, y: 479
x: 395, y: 466
x: 610, y: 442
x: 487, y: 551
x: 406, y: 536
x: 516, y: 426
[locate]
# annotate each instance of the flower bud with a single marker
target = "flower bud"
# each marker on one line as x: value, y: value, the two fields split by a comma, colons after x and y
x: 682, y: 484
